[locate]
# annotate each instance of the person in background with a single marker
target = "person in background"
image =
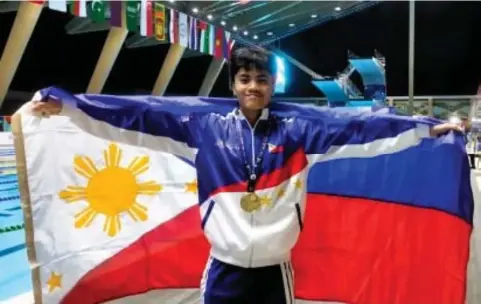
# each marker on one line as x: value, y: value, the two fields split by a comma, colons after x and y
x: 471, y: 149
x: 251, y: 240
x: 471, y: 142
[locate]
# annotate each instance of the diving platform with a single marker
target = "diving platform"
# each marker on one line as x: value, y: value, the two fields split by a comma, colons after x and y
x: 333, y: 90
x: 340, y: 91
x: 373, y: 77
x: 370, y: 69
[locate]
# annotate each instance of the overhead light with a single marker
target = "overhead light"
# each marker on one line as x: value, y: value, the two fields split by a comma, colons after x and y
x: 246, y: 33
x: 255, y: 37
x: 209, y: 17
x: 222, y: 23
x: 292, y: 25
x: 337, y: 8
x: 171, y: 1
x: 234, y: 28
x: 269, y: 33
x: 314, y: 16
x: 195, y: 10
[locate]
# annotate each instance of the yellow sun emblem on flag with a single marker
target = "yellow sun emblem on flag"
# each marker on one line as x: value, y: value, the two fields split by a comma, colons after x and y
x: 110, y: 191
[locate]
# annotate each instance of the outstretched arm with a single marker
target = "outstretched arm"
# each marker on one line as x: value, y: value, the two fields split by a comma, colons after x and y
x: 130, y: 120
x: 365, y: 136
x: 445, y: 128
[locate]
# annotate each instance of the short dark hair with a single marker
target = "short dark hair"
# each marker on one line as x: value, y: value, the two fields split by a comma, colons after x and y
x: 251, y: 58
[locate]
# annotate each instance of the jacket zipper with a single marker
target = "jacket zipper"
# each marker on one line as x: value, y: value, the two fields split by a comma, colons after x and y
x: 253, y: 150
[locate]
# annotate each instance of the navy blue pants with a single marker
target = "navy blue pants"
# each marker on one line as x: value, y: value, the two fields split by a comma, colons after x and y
x: 227, y: 284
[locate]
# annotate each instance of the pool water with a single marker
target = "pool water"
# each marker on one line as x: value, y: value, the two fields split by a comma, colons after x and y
x: 15, y: 274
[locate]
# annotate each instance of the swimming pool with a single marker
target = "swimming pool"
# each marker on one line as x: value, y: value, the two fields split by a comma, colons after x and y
x: 15, y: 275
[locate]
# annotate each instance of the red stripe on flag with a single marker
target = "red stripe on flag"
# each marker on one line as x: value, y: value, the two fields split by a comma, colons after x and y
x: 202, y: 25
x: 365, y: 252
x: 219, y: 38
x: 174, y: 27
x: 150, y: 19
x: 351, y: 250
x: 225, y: 46
x: 173, y: 255
x: 76, y: 8
x: 295, y: 164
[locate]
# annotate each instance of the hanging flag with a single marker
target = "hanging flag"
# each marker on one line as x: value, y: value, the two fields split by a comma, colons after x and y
x: 219, y: 43
x: 132, y: 11
x: 204, y: 37
x: 381, y: 225
x: 193, y: 34
x: 116, y: 12
x: 228, y: 44
x: 146, y: 18
x: 207, y: 38
x: 212, y: 34
x: 174, y: 26
x: 160, y: 22
x: 96, y: 11
x: 78, y: 8
x: 58, y: 5
x: 183, y: 30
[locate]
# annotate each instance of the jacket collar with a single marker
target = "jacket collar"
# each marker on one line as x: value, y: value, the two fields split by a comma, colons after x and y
x: 264, y: 115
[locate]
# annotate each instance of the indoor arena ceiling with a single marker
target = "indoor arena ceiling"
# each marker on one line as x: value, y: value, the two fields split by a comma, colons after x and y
x: 251, y: 22
x: 443, y: 49
x: 263, y: 22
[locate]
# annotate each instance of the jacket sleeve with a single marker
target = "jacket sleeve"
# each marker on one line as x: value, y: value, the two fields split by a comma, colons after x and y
x: 158, y: 124
x: 361, y: 136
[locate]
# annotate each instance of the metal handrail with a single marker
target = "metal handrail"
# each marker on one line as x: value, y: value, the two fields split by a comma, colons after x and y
x: 400, y: 98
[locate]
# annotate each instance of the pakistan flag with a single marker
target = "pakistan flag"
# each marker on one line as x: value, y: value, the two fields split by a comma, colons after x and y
x: 96, y: 11
x: 132, y: 14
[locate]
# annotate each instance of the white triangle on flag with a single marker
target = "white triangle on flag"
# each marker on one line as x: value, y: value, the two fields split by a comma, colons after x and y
x: 55, y: 183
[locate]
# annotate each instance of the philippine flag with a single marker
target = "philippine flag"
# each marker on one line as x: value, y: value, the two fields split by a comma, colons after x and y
x: 388, y: 221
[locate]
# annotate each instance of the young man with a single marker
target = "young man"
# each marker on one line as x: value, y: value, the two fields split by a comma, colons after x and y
x: 251, y: 168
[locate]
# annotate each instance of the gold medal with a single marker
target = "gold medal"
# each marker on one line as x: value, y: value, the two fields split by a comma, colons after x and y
x: 250, y: 202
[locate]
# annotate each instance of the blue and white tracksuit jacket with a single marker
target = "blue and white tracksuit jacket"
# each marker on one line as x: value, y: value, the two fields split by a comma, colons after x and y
x: 266, y: 236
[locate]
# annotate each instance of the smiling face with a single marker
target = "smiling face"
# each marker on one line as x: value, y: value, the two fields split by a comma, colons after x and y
x: 253, y: 88
x: 252, y: 71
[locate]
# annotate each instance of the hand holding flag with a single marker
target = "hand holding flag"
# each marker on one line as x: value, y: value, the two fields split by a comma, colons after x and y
x: 46, y: 108
x: 445, y: 128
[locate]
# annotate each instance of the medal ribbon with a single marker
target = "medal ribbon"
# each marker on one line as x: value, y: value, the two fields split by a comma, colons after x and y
x: 252, y: 172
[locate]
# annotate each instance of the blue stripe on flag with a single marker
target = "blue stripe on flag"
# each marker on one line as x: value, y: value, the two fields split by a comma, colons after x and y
x: 162, y: 116
x: 411, y: 177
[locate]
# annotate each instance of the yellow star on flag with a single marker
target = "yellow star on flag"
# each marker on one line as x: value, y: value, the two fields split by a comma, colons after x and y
x: 281, y: 193
x: 298, y: 184
x: 191, y: 187
x: 55, y: 281
x: 265, y: 200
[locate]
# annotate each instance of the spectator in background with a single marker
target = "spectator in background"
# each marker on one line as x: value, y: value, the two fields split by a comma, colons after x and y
x: 471, y: 142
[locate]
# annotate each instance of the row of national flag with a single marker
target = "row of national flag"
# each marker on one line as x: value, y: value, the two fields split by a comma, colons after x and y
x: 152, y: 19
